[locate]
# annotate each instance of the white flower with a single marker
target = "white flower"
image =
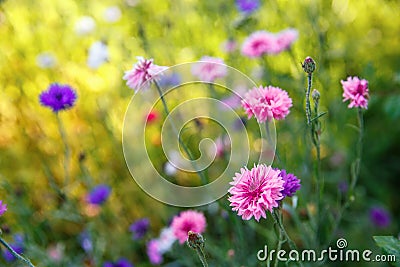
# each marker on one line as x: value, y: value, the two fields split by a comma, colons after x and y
x: 112, y: 14
x: 45, y: 60
x: 85, y: 25
x: 98, y: 54
x: 166, y: 239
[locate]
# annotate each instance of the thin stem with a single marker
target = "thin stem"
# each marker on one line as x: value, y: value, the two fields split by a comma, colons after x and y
x: 15, y: 254
x: 281, y: 241
x: 308, y: 107
x: 67, y: 152
x: 200, y: 173
x: 277, y: 215
x: 202, y: 256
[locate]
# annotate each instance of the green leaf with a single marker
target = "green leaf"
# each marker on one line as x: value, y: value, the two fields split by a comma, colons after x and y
x: 390, y: 245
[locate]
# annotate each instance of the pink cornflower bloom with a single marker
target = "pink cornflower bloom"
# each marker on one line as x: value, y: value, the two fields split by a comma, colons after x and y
x: 229, y: 46
x: 356, y: 91
x: 266, y: 103
x: 286, y: 38
x: 255, y: 191
x: 144, y: 70
x: 3, y: 207
x: 186, y: 221
x: 209, y: 68
x: 259, y: 43
x: 153, y: 252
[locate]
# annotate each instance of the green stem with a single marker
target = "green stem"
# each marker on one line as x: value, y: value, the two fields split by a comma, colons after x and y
x: 202, y: 256
x: 15, y: 254
x: 308, y: 107
x: 281, y: 241
x: 67, y: 152
x: 203, y: 178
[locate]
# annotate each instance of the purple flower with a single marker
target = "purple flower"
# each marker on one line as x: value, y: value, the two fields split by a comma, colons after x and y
x: 17, y: 246
x: 122, y: 262
x: 99, y: 194
x: 380, y: 217
x: 139, y: 228
x: 3, y: 208
x: 58, y: 97
x: 247, y: 6
x: 153, y: 252
x: 343, y: 187
x: 86, y: 241
x: 172, y: 80
x: 291, y: 185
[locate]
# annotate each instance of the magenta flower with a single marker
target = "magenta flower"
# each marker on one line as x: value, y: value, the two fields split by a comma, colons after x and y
x: 255, y: 191
x: 153, y: 252
x: 259, y: 43
x: 58, y: 97
x: 267, y: 103
x: 144, y: 70
x: 286, y: 38
x: 3, y: 208
x: 356, y: 91
x: 380, y: 217
x: 186, y: 221
x: 209, y: 69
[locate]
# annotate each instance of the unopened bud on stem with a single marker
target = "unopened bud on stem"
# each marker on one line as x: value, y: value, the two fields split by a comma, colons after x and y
x: 309, y: 65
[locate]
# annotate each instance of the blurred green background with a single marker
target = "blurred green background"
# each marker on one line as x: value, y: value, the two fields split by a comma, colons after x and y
x: 357, y: 38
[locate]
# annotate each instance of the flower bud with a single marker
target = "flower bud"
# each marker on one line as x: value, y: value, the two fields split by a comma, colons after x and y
x: 309, y: 65
x: 195, y: 240
x: 315, y: 95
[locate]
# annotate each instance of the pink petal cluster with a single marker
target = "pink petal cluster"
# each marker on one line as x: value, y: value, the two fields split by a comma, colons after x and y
x: 255, y: 191
x: 267, y: 103
x: 260, y: 43
x: 3, y: 207
x: 356, y: 91
x: 209, y: 69
x: 144, y: 70
x: 158, y: 246
x: 186, y: 221
x: 154, y: 253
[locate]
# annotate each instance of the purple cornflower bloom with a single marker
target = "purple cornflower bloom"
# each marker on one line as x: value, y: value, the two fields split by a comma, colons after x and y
x: 172, y: 80
x: 247, y: 6
x: 86, y: 241
x: 17, y: 246
x: 58, y: 97
x: 291, y: 185
x: 122, y: 262
x: 380, y: 217
x: 139, y: 228
x: 3, y: 208
x: 99, y: 194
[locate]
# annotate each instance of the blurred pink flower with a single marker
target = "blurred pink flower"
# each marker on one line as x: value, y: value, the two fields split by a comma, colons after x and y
x: 186, y: 221
x: 3, y: 208
x: 209, y: 68
x: 286, y: 38
x: 144, y: 70
x: 266, y: 103
x: 153, y: 252
x: 229, y: 46
x: 258, y: 44
x: 255, y: 191
x: 356, y: 91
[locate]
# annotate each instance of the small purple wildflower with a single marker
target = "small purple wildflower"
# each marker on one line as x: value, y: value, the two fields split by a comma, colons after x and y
x: 380, y: 217
x: 343, y: 187
x: 247, y: 6
x: 122, y: 262
x: 291, y: 185
x: 99, y: 194
x: 139, y: 228
x: 58, y: 97
x: 171, y: 80
x: 3, y: 208
x: 86, y: 241
x: 153, y: 252
x: 17, y: 246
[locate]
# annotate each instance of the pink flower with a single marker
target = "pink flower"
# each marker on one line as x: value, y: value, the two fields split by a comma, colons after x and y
x: 209, y: 68
x: 152, y: 116
x: 229, y: 46
x: 356, y: 91
x: 144, y: 70
x: 259, y: 43
x: 186, y: 221
x: 266, y: 103
x: 3, y: 208
x: 255, y: 191
x: 153, y: 252
x: 286, y: 38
